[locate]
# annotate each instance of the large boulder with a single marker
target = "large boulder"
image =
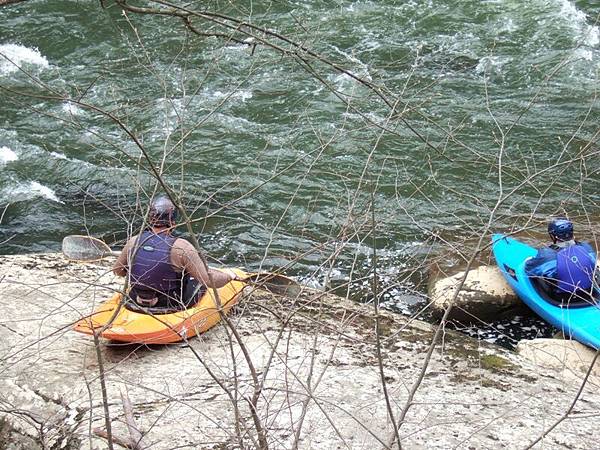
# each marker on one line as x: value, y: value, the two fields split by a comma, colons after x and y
x: 484, y: 295
x: 570, y: 358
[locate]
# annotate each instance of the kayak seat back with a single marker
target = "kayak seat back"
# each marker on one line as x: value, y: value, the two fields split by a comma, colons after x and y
x: 578, y: 299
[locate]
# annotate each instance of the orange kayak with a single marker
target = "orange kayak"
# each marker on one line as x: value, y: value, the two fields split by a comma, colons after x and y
x: 138, y: 327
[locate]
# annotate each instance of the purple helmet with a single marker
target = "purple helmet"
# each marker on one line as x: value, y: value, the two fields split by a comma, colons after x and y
x: 561, y: 229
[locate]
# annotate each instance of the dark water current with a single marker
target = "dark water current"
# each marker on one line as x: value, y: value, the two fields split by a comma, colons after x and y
x: 334, y: 138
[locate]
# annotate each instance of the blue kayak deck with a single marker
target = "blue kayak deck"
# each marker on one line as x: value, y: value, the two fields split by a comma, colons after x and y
x: 578, y: 322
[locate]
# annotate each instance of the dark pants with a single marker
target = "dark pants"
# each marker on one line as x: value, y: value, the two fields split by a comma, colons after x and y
x: 578, y: 296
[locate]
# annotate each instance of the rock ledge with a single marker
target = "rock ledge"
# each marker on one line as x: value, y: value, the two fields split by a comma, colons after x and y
x: 314, y: 358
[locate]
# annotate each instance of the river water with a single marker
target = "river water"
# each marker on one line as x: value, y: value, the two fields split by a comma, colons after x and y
x: 332, y: 138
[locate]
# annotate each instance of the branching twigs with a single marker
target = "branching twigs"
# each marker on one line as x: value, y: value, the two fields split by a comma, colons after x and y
x: 277, y: 41
x: 442, y: 324
x: 232, y: 395
x: 375, y: 286
x: 119, y: 440
x: 101, y: 373
x: 570, y: 408
x: 352, y: 235
x: 134, y: 432
x: 135, y: 439
x: 188, y: 223
x: 376, y: 299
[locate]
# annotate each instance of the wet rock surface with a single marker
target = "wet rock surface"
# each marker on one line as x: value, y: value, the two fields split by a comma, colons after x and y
x: 307, y: 367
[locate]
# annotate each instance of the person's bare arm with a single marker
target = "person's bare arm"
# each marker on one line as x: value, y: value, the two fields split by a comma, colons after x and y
x: 121, y: 265
x: 184, y: 256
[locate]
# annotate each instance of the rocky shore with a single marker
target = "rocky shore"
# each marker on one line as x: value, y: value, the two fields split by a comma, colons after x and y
x: 302, y: 372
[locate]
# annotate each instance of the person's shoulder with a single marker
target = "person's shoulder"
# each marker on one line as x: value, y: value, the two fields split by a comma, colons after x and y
x: 132, y: 240
x: 183, y: 244
x: 585, y: 245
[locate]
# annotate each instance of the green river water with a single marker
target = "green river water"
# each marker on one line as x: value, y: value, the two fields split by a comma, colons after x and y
x: 360, y: 125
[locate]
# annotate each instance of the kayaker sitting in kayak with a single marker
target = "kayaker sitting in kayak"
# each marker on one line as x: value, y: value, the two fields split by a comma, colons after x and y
x: 565, y: 269
x: 165, y: 271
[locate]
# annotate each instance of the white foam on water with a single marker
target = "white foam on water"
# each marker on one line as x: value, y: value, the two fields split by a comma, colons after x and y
x: 44, y: 191
x: 87, y: 165
x: 171, y: 112
x: 584, y: 53
x: 13, y: 56
x: 27, y: 191
x: 588, y: 35
x: 59, y: 156
x: 7, y: 155
x: 370, y: 45
x: 507, y: 26
x: 71, y: 109
x: 491, y: 64
x: 242, y: 95
x: 363, y: 68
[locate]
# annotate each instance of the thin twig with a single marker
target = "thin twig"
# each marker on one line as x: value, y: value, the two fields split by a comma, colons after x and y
x: 570, y: 408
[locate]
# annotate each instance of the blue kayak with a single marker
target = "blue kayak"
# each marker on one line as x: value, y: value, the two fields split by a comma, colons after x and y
x: 579, y: 320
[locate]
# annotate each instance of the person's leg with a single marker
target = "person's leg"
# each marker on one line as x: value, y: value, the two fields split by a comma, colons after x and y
x: 192, y: 292
x: 164, y: 302
x: 577, y: 298
x: 583, y: 296
x: 545, y: 287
